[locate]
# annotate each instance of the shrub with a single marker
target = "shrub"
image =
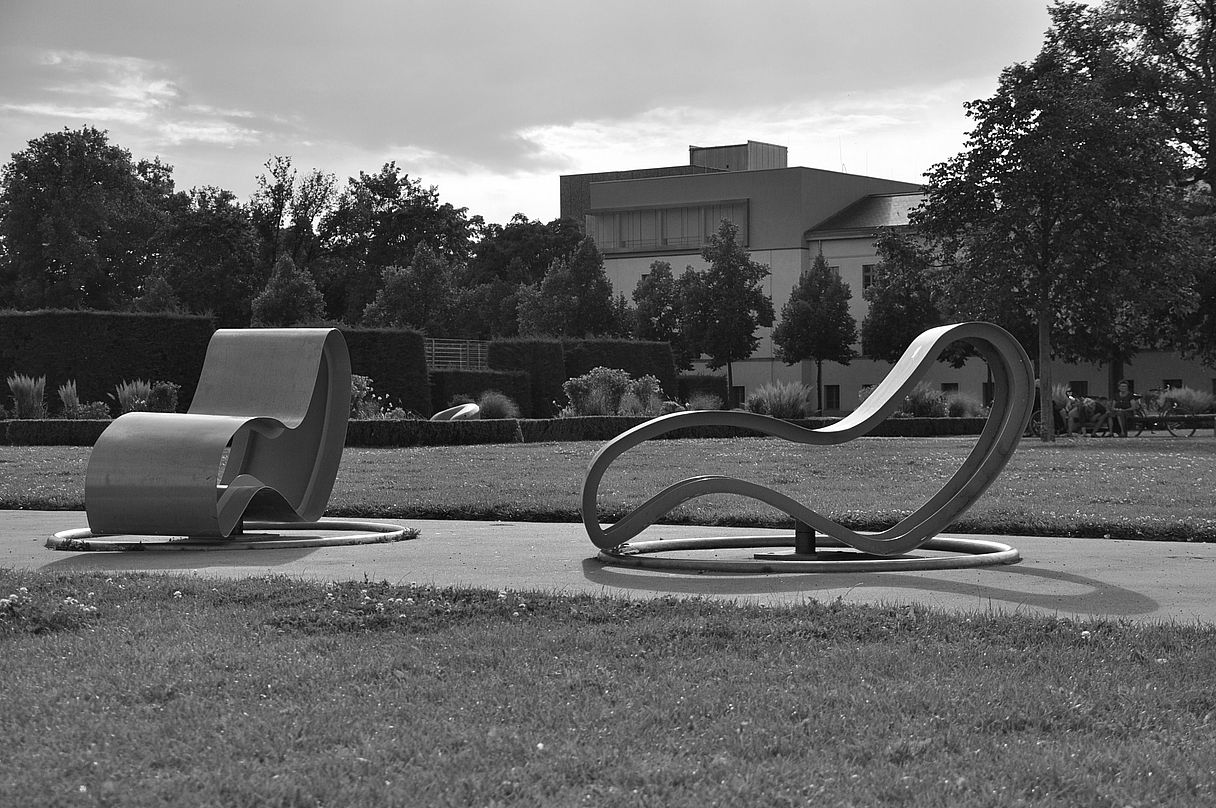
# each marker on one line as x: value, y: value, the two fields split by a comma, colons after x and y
x: 29, y: 395
x: 961, y: 405
x: 494, y: 404
x: 132, y: 396
x: 367, y: 405
x: 597, y: 392
x: 1191, y: 401
x: 648, y: 392
x: 704, y: 401
x: 925, y: 401
x: 631, y: 405
x: 780, y: 400
x: 93, y: 411
x: 690, y: 384
x: 163, y: 397
x: 74, y: 410
x: 70, y: 399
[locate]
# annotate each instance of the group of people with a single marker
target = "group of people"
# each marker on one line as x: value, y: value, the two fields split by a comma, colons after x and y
x: 1079, y: 415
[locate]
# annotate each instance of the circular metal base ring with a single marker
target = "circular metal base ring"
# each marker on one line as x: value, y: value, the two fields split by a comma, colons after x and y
x: 963, y: 553
x: 252, y: 538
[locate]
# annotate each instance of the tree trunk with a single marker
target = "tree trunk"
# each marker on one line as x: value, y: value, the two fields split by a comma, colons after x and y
x: 819, y: 387
x: 1114, y: 373
x: 1046, y: 407
x: 730, y: 387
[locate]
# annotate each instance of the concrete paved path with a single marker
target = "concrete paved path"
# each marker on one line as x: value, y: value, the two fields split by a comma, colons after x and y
x: 1068, y: 577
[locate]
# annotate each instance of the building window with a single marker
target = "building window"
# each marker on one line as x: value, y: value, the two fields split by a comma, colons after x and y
x: 1168, y: 383
x: 685, y: 228
x: 949, y: 387
x: 1080, y: 389
x: 870, y: 275
x: 831, y: 396
x: 989, y: 393
x: 835, y: 271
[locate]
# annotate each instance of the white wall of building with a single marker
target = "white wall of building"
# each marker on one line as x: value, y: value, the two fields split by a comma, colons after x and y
x: 1147, y: 370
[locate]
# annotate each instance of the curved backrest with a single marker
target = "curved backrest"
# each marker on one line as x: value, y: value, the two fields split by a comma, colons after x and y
x: 301, y: 378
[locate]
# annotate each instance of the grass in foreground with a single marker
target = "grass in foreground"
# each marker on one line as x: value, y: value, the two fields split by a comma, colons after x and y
x: 152, y: 690
x: 1156, y: 488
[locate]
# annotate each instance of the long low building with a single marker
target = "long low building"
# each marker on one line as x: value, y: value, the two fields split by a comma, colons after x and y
x: 786, y: 217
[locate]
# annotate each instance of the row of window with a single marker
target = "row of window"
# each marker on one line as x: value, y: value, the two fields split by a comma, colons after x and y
x: 675, y: 228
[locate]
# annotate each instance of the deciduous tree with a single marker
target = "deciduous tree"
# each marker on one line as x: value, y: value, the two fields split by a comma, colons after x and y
x: 1058, y: 200
x: 815, y: 323
x: 901, y: 297
x: 727, y: 304
x: 574, y: 299
x: 378, y: 221
x: 209, y: 255
x: 79, y: 220
x: 424, y: 295
x: 289, y: 299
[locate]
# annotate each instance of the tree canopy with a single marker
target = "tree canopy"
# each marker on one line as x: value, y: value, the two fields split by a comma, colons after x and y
x: 726, y: 303
x: 816, y: 324
x: 79, y: 221
x: 1058, y: 200
x: 574, y: 299
x: 289, y: 299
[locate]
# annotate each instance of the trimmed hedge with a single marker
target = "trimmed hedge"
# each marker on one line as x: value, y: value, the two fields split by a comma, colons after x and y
x: 52, y: 432
x: 100, y: 349
x: 472, y: 383
x: 395, y: 360
x: 419, y: 432
x: 544, y: 362
x: 432, y: 433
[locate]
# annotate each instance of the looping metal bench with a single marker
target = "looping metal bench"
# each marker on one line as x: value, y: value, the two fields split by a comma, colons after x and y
x: 279, y: 398
x: 1013, y: 380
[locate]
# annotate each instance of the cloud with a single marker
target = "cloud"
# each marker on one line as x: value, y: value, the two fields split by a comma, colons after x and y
x: 141, y: 96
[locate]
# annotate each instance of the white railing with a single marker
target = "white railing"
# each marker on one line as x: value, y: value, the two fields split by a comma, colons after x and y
x: 461, y: 354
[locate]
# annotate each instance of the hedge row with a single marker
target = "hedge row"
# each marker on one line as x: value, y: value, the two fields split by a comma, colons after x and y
x: 544, y: 362
x: 395, y: 360
x: 100, y: 349
x: 455, y: 433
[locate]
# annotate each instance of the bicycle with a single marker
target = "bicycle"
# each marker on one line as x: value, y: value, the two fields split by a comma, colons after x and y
x: 1154, y: 413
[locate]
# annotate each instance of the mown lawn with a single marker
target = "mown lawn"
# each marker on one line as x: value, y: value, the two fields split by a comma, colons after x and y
x: 1156, y: 488
x: 155, y: 690
x: 144, y: 690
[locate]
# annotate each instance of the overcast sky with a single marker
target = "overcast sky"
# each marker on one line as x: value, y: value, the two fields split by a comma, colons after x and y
x: 492, y: 101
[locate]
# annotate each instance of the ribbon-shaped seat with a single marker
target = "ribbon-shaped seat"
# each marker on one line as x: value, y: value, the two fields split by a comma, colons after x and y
x: 1013, y: 380
x: 277, y: 399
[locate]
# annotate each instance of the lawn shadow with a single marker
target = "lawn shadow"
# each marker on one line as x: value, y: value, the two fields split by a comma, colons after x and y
x: 1048, y: 590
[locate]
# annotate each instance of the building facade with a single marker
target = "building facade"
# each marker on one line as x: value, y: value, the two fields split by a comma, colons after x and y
x: 786, y: 216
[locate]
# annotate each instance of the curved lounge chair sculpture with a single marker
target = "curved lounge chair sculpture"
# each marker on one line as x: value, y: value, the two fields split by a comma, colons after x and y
x: 1013, y: 379
x: 461, y: 412
x: 281, y: 397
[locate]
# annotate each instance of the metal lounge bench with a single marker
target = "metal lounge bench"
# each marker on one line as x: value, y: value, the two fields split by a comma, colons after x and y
x: 279, y: 398
x: 1013, y: 379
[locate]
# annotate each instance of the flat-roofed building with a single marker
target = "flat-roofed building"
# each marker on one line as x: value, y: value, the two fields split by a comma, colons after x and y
x: 786, y: 216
